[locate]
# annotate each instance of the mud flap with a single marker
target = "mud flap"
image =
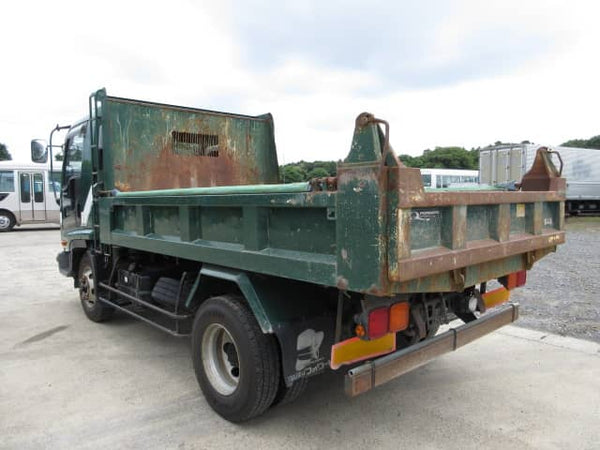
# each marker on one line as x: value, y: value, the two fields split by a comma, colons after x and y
x: 65, y: 265
x: 305, y: 347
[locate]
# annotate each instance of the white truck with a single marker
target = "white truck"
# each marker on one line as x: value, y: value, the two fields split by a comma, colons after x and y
x: 506, y: 163
x: 28, y: 194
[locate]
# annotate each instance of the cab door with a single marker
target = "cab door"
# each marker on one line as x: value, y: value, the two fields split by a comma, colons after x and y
x: 32, y: 196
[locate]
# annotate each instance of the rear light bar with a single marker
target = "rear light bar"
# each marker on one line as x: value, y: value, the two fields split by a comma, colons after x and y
x: 384, y: 320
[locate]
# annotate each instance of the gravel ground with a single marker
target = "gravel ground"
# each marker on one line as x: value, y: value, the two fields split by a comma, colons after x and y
x: 561, y: 294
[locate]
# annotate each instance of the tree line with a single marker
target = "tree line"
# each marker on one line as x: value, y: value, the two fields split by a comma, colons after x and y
x: 439, y: 157
x: 593, y: 142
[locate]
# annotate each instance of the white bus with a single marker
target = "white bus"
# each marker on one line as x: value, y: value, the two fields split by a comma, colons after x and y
x: 27, y: 195
x: 445, y: 178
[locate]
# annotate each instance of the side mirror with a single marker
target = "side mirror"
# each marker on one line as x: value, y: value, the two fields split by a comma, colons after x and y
x: 39, y: 151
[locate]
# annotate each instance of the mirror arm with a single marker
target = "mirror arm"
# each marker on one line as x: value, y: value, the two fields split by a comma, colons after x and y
x: 50, y: 147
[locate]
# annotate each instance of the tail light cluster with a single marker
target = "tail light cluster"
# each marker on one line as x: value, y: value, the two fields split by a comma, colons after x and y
x: 384, y: 320
x: 514, y: 280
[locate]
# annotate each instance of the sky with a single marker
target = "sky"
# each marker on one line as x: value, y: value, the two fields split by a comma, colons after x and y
x: 464, y: 72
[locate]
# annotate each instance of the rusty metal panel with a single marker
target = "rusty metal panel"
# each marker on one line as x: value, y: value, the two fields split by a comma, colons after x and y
x: 440, y: 259
x: 153, y: 146
x: 438, y: 199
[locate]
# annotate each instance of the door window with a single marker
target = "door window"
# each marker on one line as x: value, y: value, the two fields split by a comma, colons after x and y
x: 38, y: 188
x: 25, y: 188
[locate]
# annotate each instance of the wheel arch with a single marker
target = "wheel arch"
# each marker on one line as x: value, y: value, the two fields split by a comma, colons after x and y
x: 78, y: 248
x: 15, y: 219
x: 242, y: 281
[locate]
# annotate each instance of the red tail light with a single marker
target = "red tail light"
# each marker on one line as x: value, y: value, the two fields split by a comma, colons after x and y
x: 378, y: 322
x: 514, y: 280
x: 521, y: 278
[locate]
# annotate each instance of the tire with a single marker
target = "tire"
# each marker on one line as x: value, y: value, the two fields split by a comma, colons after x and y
x: 289, y: 394
x: 237, y: 366
x: 94, y: 309
x: 7, y: 221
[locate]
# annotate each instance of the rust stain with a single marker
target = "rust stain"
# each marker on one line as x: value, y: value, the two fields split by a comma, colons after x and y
x: 169, y: 170
x: 323, y: 184
x: 435, y: 261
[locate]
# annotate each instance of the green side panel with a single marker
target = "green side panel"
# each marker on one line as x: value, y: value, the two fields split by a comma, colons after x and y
x: 149, y: 146
x: 301, y: 229
x: 551, y: 216
x: 286, y: 235
x: 165, y: 222
x: 517, y: 220
x: 426, y: 227
x: 222, y: 224
x: 366, y: 144
x: 478, y: 222
x: 360, y: 229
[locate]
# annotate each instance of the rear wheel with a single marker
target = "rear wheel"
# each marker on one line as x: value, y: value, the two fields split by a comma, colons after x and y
x: 93, y: 308
x: 7, y: 221
x: 237, y: 366
x: 288, y: 394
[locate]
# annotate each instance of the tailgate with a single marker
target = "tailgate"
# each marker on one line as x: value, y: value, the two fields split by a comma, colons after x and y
x: 447, y: 231
x: 437, y: 232
x: 393, y: 237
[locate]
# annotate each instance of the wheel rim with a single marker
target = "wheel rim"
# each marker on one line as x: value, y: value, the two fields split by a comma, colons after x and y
x: 4, y: 222
x: 220, y: 359
x: 86, y: 288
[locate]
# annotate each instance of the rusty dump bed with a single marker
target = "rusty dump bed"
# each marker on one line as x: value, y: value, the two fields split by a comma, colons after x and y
x: 202, y: 185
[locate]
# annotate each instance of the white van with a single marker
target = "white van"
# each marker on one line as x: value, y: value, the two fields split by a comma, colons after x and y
x: 27, y: 195
x: 447, y: 178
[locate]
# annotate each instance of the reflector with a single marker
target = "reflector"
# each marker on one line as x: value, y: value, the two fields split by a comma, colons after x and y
x: 355, y: 349
x: 496, y: 297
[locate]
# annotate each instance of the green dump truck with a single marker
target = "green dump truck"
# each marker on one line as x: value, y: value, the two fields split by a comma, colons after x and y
x: 176, y: 216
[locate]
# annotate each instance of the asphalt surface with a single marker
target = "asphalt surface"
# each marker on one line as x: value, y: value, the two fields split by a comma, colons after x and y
x: 561, y: 294
x: 66, y: 382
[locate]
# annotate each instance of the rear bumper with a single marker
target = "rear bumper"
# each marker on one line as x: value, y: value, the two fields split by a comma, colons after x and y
x: 374, y: 373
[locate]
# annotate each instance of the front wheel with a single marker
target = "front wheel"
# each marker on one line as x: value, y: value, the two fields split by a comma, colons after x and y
x: 236, y: 364
x: 7, y: 221
x: 93, y: 308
